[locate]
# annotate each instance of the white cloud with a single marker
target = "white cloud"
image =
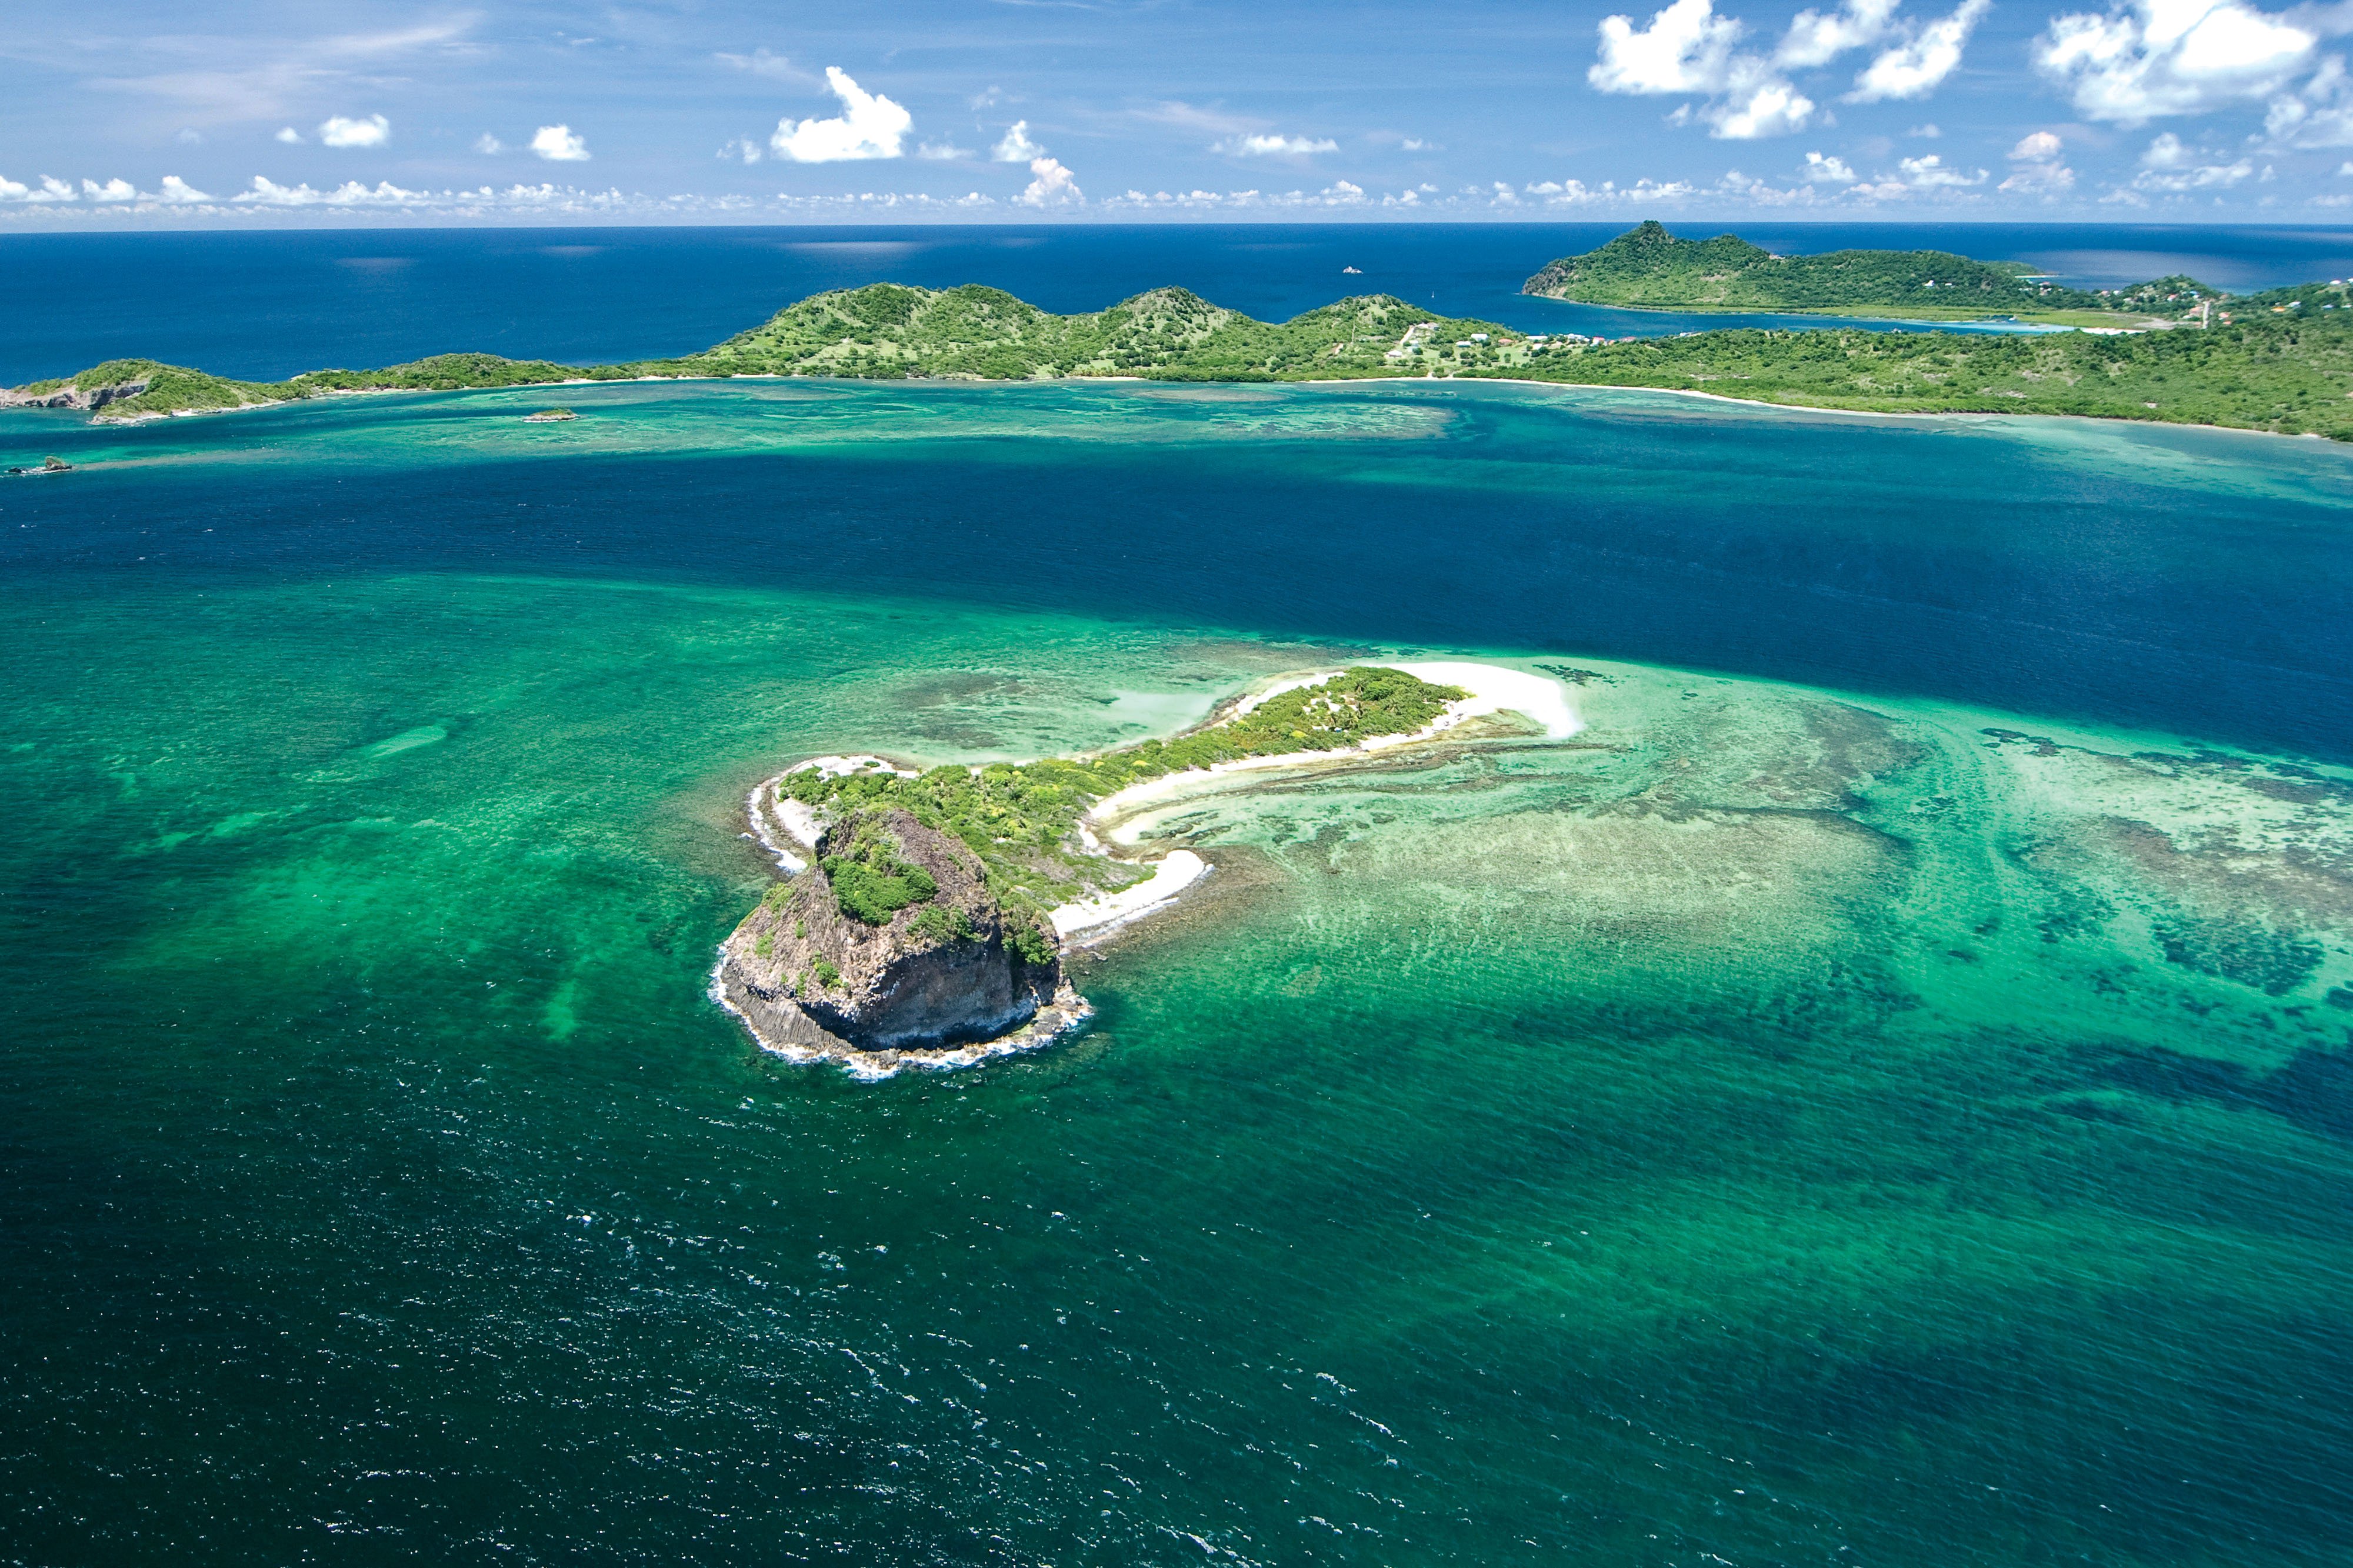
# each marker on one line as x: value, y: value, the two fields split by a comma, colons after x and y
x: 1016, y: 146
x: 760, y: 62
x: 2171, y: 56
x: 1816, y: 39
x: 112, y: 190
x: 1267, y: 146
x: 1687, y: 49
x: 53, y: 189
x: 10, y: 191
x: 946, y: 153
x: 1917, y: 66
x: 1415, y: 145
x: 1766, y: 109
x: 560, y: 144
x: 2318, y: 115
x: 189, y: 136
x: 743, y: 149
x: 289, y: 135
x: 489, y: 145
x: 1684, y: 49
x: 1644, y: 192
x: 1822, y: 170
x: 343, y: 132
x: 1053, y: 185
x: 1927, y: 132
x: 177, y: 191
x: 1929, y: 172
x: 869, y: 126
x: 2036, y: 170
x: 2171, y: 166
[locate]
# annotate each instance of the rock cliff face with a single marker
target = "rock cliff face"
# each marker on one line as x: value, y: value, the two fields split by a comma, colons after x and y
x: 891, y: 942
x: 72, y: 396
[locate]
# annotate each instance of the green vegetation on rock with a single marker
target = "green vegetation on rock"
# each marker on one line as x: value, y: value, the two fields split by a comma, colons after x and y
x: 871, y: 882
x: 1020, y: 818
x: 1647, y: 266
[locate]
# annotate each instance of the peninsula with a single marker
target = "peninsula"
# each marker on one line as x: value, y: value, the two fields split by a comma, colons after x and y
x: 927, y: 922
x: 1649, y: 268
x: 2280, y: 362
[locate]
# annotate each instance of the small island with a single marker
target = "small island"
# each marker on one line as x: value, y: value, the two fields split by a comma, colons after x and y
x: 927, y: 914
x: 549, y: 416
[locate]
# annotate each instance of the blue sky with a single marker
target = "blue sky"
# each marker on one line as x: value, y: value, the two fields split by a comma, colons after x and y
x: 251, y: 111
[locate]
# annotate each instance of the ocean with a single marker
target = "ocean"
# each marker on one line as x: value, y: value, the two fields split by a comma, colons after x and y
x: 1883, y: 1092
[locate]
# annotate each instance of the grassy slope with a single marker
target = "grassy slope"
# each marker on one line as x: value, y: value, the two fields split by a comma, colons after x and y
x: 1647, y: 268
x: 2293, y: 376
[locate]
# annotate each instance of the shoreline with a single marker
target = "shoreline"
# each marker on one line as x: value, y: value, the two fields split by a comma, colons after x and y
x: 788, y: 831
x: 904, y: 381
x: 1494, y: 689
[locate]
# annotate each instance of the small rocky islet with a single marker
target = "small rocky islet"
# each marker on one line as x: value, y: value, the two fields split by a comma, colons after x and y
x: 922, y: 931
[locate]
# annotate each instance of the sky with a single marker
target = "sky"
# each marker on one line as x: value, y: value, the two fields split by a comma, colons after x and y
x: 240, y: 114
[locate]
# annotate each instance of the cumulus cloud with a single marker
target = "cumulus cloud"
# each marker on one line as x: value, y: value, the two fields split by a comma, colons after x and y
x: 341, y: 130
x: 2319, y: 114
x: 1929, y: 172
x: 560, y: 144
x: 489, y: 145
x: 112, y: 190
x: 1051, y: 185
x: 289, y: 135
x: 1919, y: 65
x: 1824, y: 170
x: 1016, y: 146
x: 1816, y: 38
x: 869, y: 126
x: 265, y: 192
x: 1766, y: 109
x: 53, y: 189
x: 2035, y: 169
x: 1686, y: 49
x: 1267, y: 146
x: 178, y: 192
x: 2171, y: 166
x: 2154, y: 58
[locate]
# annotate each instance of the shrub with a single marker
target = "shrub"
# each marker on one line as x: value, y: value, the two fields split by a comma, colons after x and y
x: 871, y: 882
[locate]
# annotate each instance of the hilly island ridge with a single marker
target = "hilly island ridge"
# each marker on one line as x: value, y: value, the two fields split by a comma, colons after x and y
x: 2171, y: 350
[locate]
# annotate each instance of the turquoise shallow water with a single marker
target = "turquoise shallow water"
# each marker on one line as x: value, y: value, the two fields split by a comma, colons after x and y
x: 1815, y: 1114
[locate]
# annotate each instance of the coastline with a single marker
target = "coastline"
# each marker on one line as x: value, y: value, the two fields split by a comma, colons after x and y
x: 149, y: 418
x: 1494, y: 689
x: 788, y: 831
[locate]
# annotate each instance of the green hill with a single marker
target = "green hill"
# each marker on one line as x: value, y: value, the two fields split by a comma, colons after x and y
x: 1649, y: 268
x: 2281, y: 361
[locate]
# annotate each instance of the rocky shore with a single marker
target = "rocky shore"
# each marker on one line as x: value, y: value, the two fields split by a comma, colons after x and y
x: 890, y: 951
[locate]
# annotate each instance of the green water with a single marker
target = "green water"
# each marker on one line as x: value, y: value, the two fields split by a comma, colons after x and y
x: 1780, y: 1124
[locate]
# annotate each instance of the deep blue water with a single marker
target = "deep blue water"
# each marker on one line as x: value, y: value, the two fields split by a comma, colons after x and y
x: 269, y: 305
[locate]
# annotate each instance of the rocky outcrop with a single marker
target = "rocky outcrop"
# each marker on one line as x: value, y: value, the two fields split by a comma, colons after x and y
x: 88, y: 398
x: 891, y: 943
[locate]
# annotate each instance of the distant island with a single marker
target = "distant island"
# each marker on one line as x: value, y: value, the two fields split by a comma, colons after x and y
x: 2280, y: 361
x: 925, y: 920
x: 1649, y: 268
